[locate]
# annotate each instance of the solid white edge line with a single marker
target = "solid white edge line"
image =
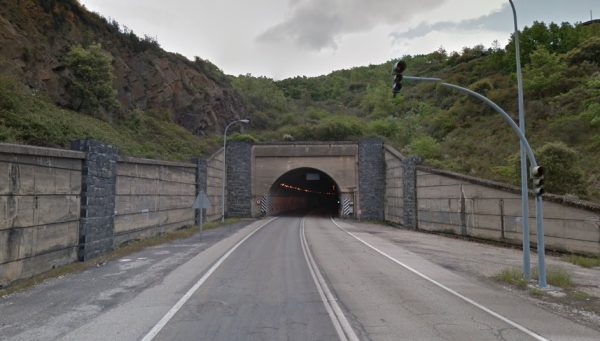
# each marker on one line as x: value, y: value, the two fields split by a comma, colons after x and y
x: 453, y: 292
x: 169, y: 315
x: 339, y: 320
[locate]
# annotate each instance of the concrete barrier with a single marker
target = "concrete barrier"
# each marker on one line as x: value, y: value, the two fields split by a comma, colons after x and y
x: 59, y: 206
x: 464, y: 205
x: 39, y: 209
x: 152, y: 197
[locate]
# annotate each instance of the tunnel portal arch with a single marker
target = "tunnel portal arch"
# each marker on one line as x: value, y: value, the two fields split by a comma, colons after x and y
x: 336, y: 160
x: 303, y: 190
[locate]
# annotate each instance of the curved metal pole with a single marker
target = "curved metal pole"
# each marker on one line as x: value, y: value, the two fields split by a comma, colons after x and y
x: 538, y: 198
x: 504, y: 115
x: 524, y: 189
x: 539, y: 216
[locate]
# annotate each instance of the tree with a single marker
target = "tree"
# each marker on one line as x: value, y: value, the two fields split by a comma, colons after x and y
x: 545, y: 75
x: 563, y: 174
x: 91, y: 86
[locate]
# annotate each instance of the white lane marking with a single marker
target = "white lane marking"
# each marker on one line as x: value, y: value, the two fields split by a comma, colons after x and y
x: 455, y: 293
x: 169, y: 315
x: 340, y: 323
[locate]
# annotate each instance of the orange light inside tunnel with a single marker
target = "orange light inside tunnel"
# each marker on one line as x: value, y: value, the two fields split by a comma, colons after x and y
x: 306, y: 190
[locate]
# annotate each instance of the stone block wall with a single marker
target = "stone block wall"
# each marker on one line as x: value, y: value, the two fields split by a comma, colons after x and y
x: 371, y: 179
x: 152, y: 197
x: 97, y: 198
x: 239, y: 179
x: 39, y: 209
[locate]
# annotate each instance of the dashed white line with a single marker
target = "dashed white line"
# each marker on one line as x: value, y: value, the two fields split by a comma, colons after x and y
x: 169, y: 315
x: 453, y: 292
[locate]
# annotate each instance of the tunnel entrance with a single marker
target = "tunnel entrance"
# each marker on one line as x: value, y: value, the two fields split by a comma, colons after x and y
x: 305, y: 190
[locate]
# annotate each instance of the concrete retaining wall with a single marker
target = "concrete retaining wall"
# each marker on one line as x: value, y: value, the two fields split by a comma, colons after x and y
x: 39, y: 209
x: 59, y: 206
x: 476, y: 207
x: 152, y: 197
x: 214, y: 181
x: 435, y: 200
x: 394, y: 193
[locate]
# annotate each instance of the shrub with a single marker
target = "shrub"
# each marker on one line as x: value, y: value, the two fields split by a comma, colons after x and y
x: 425, y: 146
x: 563, y: 173
x: 242, y: 137
x: 587, y: 51
x: 91, y: 87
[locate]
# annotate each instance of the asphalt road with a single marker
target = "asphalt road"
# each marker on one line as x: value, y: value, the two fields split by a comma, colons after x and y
x: 286, y: 279
x: 263, y: 291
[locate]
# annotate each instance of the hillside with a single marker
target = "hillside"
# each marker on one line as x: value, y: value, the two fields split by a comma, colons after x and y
x: 36, y: 36
x: 66, y: 73
x: 448, y: 129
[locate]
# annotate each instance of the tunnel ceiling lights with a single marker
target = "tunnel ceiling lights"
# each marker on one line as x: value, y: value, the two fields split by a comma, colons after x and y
x: 306, y: 190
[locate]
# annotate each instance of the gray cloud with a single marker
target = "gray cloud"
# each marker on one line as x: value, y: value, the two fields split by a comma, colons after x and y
x: 315, y: 24
x: 502, y: 20
x: 497, y: 21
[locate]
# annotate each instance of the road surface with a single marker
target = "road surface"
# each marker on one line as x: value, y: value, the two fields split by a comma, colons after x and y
x: 314, y: 278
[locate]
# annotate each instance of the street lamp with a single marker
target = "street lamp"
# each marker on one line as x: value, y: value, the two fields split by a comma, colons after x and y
x: 537, y: 171
x: 523, y: 157
x: 246, y: 121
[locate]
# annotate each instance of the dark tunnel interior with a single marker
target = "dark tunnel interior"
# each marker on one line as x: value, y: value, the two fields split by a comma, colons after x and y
x: 305, y: 191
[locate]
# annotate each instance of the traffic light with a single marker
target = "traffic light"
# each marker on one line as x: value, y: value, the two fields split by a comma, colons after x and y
x: 398, y: 69
x: 538, y: 180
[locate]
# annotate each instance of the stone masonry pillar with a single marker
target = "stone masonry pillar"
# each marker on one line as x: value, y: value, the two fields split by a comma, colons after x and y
x: 99, y: 177
x: 371, y: 179
x: 239, y: 179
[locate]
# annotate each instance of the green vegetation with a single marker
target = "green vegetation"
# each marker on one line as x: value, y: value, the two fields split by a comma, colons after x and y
x: 555, y: 276
x: 583, y: 261
x: 536, y: 292
x: 27, y: 117
x: 91, y: 87
x: 512, y: 276
x: 582, y: 296
x: 447, y: 129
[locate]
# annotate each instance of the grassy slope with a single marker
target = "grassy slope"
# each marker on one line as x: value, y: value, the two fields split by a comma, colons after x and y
x: 29, y: 118
x: 448, y: 129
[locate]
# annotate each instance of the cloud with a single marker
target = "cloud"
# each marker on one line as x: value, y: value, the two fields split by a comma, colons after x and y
x: 496, y: 21
x: 501, y: 18
x: 318, y: 24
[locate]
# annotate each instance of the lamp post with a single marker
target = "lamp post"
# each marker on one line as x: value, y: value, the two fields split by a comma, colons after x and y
x: 539, y: 214
x: 246, y: 121
x: 523, y: 157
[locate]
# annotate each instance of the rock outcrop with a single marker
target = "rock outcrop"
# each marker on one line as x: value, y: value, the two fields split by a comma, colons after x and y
x: 35, y: 36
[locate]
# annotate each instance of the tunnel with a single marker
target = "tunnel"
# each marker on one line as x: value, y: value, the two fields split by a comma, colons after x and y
x: 304, y: 191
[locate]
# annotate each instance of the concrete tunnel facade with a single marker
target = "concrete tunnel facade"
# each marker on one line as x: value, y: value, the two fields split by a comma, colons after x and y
x: 302, y: 177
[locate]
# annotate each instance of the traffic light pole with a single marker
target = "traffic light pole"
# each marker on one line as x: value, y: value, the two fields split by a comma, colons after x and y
x: 539, y: 207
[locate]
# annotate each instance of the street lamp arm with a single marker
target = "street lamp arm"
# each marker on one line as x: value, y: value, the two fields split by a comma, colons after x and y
x: 504, y: 115
x: 525, y: 144
x: 489, y: 102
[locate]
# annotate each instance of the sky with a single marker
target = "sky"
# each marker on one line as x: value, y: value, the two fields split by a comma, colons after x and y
x: 286, y: 38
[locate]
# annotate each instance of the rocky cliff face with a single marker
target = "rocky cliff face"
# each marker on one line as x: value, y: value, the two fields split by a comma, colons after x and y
x: 35, y: 35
